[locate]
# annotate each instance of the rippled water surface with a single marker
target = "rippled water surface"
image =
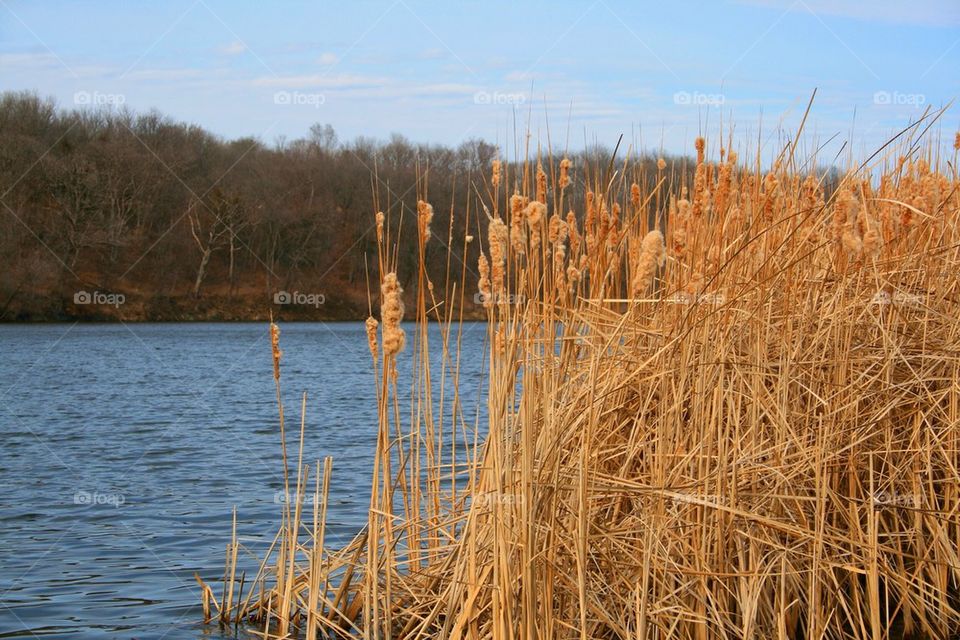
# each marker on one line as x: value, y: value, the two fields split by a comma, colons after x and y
x: 126, y: 447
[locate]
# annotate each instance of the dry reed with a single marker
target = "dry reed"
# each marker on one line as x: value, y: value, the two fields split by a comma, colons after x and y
x: 753, y: 435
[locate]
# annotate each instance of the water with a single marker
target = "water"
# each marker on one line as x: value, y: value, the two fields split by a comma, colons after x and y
x: 126, y: 447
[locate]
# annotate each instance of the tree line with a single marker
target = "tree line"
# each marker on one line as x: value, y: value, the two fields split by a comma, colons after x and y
x: 184, y: 224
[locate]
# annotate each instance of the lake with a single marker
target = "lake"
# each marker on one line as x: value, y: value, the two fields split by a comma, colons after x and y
x: 126, y: 447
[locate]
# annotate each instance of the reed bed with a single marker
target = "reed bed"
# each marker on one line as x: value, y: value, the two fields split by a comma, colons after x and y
x: 727, y: 406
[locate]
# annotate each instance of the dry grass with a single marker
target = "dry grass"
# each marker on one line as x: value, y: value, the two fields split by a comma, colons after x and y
x: 753, y: 432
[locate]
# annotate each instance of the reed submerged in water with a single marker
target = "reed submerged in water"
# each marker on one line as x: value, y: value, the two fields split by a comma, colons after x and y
x: 703, y: 422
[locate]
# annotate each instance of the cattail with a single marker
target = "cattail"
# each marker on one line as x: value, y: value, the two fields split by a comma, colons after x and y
x: 700, y: 145
x: 468, y: 239
x: 495, y: 177
x: 680, y: 216
x: 380, y: 219
x: 572, y: 230
x: 661, y: 164
x: 635, y: 194
x: 613, y: 235
x: 591, y: 217
x: 391, y: 314
x: 518, y: 237
x: 770, y: 195
x: 851, y: 238
x: 483, y: 284
x: 275, y: 349
x: 647, y: 258
x: 841, y: 213
x: 541, y: 184
x: 956, y: 142
x: 867, y: 229
x: 535, y: 213
x: 497, y: 237
x: 553, y: 228
x: 372, y: 325
x: 724, y: 180
x: 565, y: 172
x: 699, y: 190
x: 424, y: 217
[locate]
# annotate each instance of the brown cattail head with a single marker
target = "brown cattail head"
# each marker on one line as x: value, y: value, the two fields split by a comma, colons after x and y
x: 700, y: 144
x: 956, y: 142
x: 498, y: 237
x: 535, y: 212
x: 650, y: 254
x: 635, y: 194
x: 661, y: 164
x: 495, y: 177
x: 275, y: 349
x: 424, y: 217
x: 565, y: 165
x: 573, y: 231
x: 391, y: 314
x: 380, y: 219
x: 541, y: 184
x: 372, y: 325
x: 483, y: 285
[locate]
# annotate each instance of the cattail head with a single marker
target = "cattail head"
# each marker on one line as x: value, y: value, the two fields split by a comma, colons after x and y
x: 498, y: 237
x: 661, y: 164
x: 700, y: 145
x: 424, y: 217
x: 391, y: 314
x: 495, y: 177
x: 553, y: 228
x: 635, y: 194
x: 275, y: 349
x: 956, y: 142
x: 541, y: 184
x: 572, y: 231
x: 380, y: 219
x: 535, y: 212
x: 483, y: 285
x: 565, y: 165
x: 372, y: 325
x: 646, y: 259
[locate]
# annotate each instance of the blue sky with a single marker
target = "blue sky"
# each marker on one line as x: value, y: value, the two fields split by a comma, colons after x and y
x: 657, y: 72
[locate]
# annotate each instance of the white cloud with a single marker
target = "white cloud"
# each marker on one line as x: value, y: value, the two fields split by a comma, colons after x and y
x: 328, y: 59
x: 165, y: 74
x: 28, y: 60
x: 340, y: 81
x: 235, y: 48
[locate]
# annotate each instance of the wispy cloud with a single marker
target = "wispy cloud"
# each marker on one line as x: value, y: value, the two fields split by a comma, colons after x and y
x: 234, y: 48
x: 328, y: 59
